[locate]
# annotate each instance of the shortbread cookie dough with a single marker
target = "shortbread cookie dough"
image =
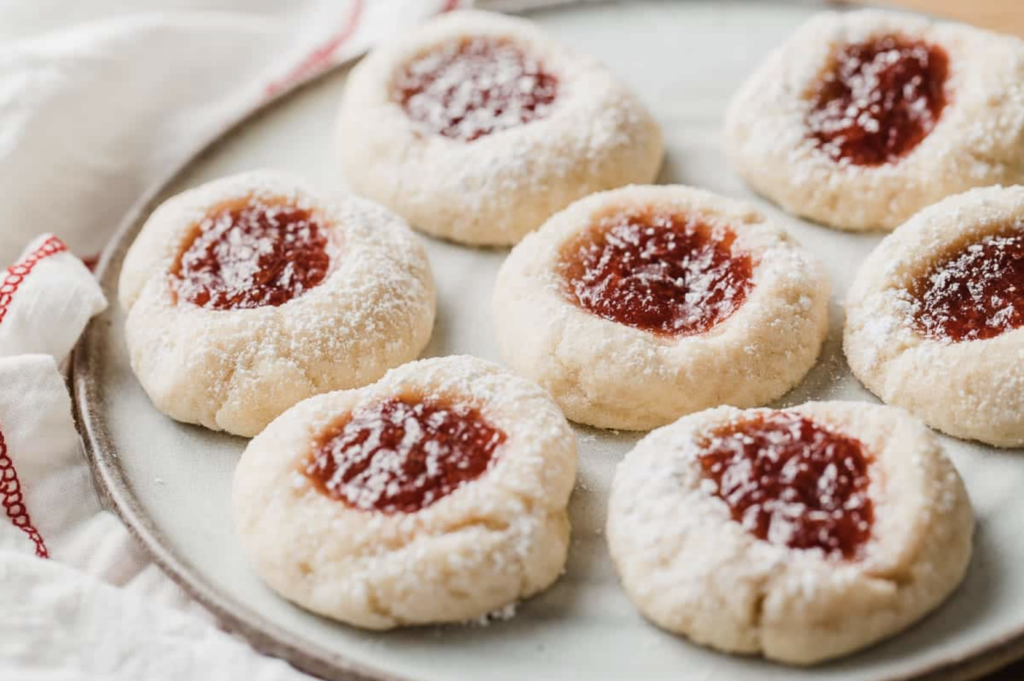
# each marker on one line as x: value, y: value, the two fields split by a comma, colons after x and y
x: 801, y: 535
x: 863, y: 118
x: 934, y: 317
x: 477, y: 127
x: 249, y: 294
x: 437, y: 494
x: 636, y: 306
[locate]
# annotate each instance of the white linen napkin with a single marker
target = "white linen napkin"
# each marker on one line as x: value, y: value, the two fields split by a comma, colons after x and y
x: 100, y: 102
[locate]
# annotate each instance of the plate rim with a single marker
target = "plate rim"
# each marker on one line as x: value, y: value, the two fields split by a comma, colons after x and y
x: 261, y: 633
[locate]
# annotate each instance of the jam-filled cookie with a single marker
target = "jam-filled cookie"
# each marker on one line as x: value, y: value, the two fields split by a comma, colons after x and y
x: 437, y: 494
x: 934, y: 317
x: 477, y: 127
x: 249, y: 294
x: 638, y: 305
x: 801, y: 534
x: 863, y: 118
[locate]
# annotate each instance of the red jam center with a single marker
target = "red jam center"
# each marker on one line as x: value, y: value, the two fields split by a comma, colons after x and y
x: 791, y: 482
x: 880, y: 99
x: 468, y: 89
x: 399, y: 456
x: 252, y: 254
x: 975, y: 294
x: 666, y: 274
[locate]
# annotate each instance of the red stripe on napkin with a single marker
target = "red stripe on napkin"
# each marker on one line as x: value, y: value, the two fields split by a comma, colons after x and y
x: 14, y: 502
x: 11, y: 497
x: 17, y: 272
x: 321, y: 56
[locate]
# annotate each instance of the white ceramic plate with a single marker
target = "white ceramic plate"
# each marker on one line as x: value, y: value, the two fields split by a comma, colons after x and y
x: 171, y: 482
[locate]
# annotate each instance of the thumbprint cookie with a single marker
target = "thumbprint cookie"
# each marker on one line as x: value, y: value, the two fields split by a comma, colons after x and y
x: 477, y: 127
x: 863, y: 118
x: 437, y: 494
x: 801, y: 535
x: 934, y: 317
x: 249, y: 294
x: 636, y: 306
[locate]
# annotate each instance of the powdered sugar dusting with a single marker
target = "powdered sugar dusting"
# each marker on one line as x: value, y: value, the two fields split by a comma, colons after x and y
x: 791, y: 482
x: 236, y: 369
x: 975, y: 294
x: 594, y: 134
x: 880, y: 99
x: 682, y: 548
x: 948, y: 277
x: 974, y: 142
x: 469, y: 556
x: 253, y: 254
x: 659, y: 272
x: 401, y: 455
x: 475, y: 87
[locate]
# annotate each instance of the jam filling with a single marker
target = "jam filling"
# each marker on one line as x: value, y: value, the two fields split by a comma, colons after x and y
x: 879, y: 100
x: 400, y: 455
x: 252, y: 254
x: 663, y: 273
x: 791, y: 482
x: 472, y: 88
x: 975, y: 294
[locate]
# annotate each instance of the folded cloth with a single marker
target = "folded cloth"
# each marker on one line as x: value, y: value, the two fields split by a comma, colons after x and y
x: 111, y: 633
x: 101, y: 102
x: 46, y: 299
